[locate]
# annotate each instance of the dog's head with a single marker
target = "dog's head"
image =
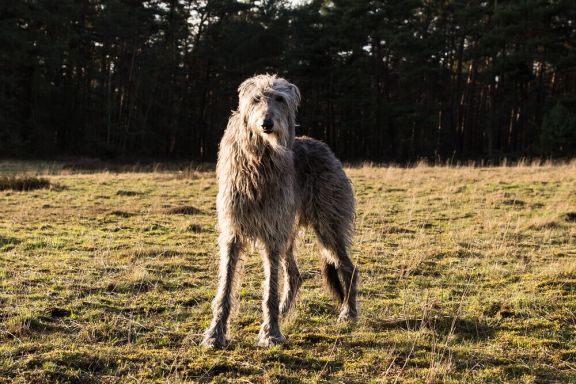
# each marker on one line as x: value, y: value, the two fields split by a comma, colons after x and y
x: 268, y: 106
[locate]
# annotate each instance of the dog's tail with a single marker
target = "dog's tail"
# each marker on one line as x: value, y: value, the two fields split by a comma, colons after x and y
x: 332, y: 281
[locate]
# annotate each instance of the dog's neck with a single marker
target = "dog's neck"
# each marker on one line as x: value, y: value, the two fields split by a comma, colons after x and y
x: 249, y: 163
x: 248, y: 150
x: 259, y: 148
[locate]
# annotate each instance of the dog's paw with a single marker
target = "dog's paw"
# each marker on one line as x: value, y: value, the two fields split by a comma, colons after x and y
x: 347, y: 315
x: 268, y: 339
x: 214, y: 339
x: 285, y: 307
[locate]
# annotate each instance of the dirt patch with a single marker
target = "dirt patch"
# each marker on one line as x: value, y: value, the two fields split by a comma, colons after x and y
x: 183, y: 210
x: 58, y: 313
x: 195, y: 228
x: 123, y: 214
x: 129, y: 193
x: 514, y: 202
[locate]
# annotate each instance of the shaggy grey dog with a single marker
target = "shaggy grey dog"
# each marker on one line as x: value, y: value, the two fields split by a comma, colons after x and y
x: 270, y: 183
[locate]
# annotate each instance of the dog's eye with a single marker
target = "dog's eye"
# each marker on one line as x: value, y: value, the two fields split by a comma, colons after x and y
x: 256, y: 99
x: 279, y: 99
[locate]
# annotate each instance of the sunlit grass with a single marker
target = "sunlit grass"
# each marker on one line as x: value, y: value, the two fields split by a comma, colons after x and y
x: 467, y: 275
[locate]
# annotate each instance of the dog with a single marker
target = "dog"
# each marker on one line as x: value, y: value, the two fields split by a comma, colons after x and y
x: 270, y: 184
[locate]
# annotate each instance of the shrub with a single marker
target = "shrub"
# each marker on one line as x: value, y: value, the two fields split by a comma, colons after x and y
x: 23, y: 183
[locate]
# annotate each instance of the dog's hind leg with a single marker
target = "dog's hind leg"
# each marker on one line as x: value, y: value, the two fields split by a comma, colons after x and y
x: 230, y: 247
x: 292, y: 280
x: 349, y: 274
x: 270, y: 330
x: 339, y: 271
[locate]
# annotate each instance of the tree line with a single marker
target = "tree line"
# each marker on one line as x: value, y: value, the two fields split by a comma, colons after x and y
x: 381, y: 80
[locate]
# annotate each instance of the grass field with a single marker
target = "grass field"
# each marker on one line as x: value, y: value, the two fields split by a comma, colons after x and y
x: 467, y: 275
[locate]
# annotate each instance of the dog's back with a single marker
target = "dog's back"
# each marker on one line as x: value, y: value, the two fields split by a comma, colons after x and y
x: 324, y: 190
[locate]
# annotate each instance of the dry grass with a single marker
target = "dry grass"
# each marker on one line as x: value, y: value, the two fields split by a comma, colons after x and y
x: 467, y: 275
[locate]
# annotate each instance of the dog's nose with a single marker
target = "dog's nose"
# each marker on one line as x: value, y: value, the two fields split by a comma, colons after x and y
x: 267, y: 124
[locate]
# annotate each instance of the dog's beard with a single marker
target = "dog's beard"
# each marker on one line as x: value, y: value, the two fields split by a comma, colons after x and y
x: 277, y: 139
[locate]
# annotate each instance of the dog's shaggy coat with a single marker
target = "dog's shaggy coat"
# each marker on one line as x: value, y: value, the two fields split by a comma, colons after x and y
x: 270, y: 183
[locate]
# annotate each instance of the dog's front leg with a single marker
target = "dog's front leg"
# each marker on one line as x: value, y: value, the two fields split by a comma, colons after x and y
x: 292, y: 280
x: 215, y: 335
x: 270, y: 331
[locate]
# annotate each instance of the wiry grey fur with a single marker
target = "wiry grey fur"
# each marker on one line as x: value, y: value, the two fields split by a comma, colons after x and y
x: 270, y: 183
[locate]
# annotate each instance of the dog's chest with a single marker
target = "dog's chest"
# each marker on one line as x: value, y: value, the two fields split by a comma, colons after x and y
x: 256, y: 195
x: 253, y: 195
x: 256, y: 205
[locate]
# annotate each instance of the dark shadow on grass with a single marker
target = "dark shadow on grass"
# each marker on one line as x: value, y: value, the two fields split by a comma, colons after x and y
x: 514, y: 202
x: 193, y: 301
x: 307, y: 363
x: 566, y: 285
x: 228, y: 371
x: 392, y: 229
x: 150, y: 253
x: 318, y: 308
x: 316, y: 338
x: 466, y: 329
x: 425, y: 268
x: 8, y: 243
x: 72, y: 366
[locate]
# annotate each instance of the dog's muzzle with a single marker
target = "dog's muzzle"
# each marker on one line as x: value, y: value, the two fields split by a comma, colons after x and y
x: 268, y: 125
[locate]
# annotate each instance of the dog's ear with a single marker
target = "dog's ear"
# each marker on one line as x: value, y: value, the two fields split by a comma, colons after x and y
x: 295, y: 94
x: 247, y: 86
